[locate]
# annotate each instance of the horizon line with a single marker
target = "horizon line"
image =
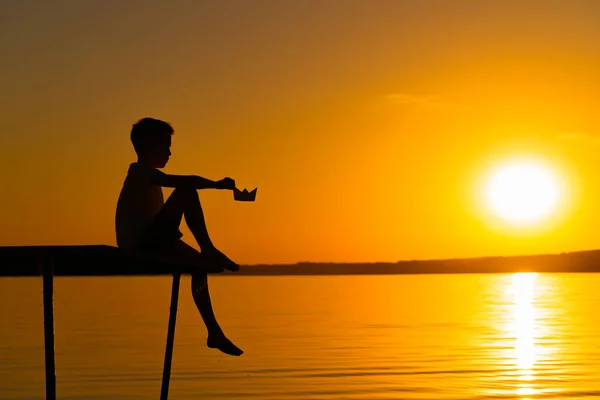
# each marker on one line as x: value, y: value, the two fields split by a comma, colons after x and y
x: 423, y: 260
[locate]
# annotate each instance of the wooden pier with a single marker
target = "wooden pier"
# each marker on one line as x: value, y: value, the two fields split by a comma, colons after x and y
x: 92, y: 260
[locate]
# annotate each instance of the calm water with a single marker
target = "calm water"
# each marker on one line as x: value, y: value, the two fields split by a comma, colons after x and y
x: 522, y: 336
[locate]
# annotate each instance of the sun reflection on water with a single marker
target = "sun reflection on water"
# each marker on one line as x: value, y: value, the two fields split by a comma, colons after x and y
x: 523, y: 327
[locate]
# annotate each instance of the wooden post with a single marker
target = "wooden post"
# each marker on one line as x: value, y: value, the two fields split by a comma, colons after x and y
x: 164, y: 390
x: 48, y: 284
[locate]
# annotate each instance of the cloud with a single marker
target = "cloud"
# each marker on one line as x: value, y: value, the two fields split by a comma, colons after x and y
x: 429, y: 102
x: 404, y: 98
x: 579, y: 138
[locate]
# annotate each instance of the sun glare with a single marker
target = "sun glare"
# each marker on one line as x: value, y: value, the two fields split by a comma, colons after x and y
x: 522, y: 192
x: 524, y: 329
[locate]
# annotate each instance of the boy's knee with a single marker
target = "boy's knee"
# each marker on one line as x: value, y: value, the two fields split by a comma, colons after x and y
x: 186, y: 192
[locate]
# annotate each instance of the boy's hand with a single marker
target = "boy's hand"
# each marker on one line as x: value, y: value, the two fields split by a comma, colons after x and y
x: 226, y: 183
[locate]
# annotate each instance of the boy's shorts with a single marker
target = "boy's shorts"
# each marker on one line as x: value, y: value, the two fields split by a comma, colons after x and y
x: 156, y: 239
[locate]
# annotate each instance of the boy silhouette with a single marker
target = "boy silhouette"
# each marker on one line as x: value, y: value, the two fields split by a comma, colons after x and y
x: 145, y: 223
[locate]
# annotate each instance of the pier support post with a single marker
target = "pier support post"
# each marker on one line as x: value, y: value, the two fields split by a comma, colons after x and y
x: 48, y: 284
x: 164, y: 390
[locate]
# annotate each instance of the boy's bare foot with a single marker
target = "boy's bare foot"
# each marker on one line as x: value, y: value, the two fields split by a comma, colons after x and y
x: 209, y: 264
x: 213, y: 268
x: 220, y: 260
x: 222, y: 343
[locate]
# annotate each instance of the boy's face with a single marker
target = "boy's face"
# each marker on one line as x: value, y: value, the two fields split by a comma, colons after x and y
x: 158, y: 153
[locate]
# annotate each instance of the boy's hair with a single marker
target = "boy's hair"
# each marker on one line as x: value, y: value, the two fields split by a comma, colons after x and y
x: 149, y: 131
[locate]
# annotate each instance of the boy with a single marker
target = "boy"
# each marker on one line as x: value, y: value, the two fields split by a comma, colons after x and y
x: 144, y: 222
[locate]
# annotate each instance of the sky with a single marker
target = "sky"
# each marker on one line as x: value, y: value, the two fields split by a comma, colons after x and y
x: 367, y: 126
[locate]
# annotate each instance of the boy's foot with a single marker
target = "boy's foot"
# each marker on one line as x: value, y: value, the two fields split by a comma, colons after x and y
x: 220, y: 260
x: 221, y: 342
x: 213, y: 268
x: 209, y: 265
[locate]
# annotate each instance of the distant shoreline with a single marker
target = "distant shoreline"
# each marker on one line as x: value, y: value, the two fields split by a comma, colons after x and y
x: 581, y: 261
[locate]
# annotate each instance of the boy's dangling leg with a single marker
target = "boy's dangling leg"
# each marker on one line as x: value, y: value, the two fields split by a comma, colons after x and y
x: 216, y: 337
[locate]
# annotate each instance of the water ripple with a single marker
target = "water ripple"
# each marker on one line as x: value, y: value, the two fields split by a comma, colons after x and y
x: 459, y: 337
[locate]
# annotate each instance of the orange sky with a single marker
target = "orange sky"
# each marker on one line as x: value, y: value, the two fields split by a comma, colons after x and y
x: 366, y: 125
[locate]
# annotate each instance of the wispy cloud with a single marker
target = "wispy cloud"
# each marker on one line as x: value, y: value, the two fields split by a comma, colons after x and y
x: 425, y: 101
x: 579, y: 138
x: 404, y: 98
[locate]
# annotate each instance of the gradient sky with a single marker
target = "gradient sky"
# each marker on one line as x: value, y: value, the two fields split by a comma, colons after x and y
x: 366, y: 125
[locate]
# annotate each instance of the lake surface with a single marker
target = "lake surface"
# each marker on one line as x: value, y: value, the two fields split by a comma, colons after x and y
x: 511, y: 336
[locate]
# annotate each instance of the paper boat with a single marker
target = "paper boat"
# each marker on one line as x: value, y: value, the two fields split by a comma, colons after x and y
x: 244, y: 195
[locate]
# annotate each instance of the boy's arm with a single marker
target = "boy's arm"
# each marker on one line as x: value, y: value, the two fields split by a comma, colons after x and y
x: 186, y: 181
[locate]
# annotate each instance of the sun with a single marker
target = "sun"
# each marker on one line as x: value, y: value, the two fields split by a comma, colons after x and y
x: 522, y: 192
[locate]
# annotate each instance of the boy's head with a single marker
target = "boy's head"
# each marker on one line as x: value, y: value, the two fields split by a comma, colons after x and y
x: 151, y: 140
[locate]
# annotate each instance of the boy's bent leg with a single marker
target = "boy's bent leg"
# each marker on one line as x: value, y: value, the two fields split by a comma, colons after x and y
x: 187, y: 202
x: 194, y: 216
